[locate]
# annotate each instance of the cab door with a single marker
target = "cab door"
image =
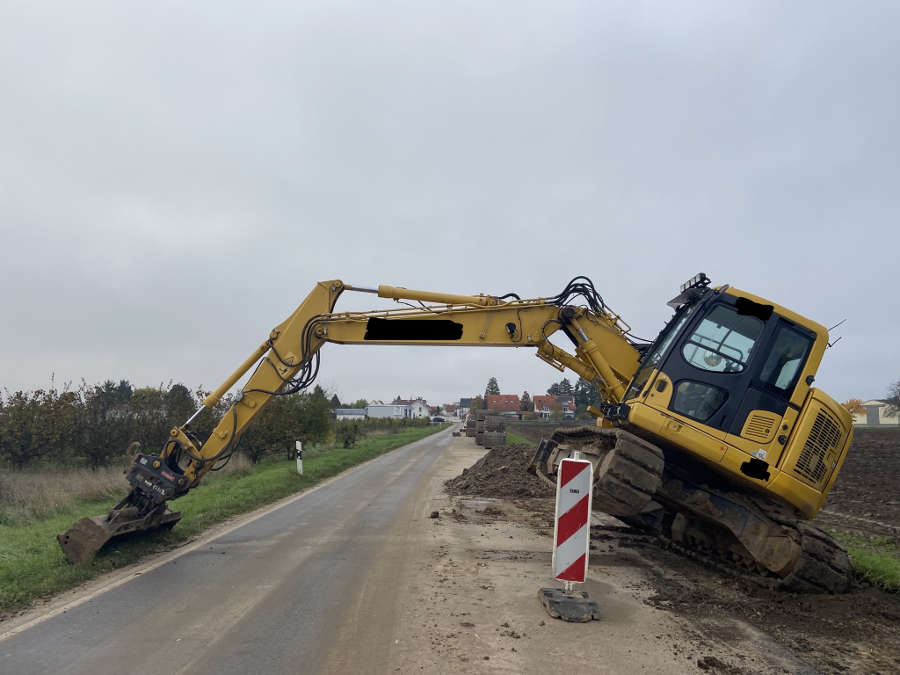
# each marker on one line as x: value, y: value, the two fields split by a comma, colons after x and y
x: 711, y: 368
x: 766, y: 415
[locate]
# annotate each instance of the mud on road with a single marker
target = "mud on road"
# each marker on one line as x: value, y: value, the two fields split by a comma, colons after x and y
x: 856, y: 632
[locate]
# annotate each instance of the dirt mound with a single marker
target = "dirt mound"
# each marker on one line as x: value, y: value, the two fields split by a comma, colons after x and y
x: 500, y: 473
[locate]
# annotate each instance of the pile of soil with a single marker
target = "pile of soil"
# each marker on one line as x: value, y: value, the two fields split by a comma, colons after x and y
x: 501, y: 473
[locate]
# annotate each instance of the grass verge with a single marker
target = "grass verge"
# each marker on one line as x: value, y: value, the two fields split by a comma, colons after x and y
x: 875, y: 560
x: 515, y: 439
x: 32, y: 565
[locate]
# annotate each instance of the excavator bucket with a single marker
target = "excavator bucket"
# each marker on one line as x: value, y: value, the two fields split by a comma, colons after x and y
x: 81, y: 542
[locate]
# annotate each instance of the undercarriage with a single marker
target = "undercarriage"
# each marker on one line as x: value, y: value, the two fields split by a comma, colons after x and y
x: 659, y: 492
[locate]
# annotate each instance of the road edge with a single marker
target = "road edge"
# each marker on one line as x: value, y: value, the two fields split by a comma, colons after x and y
x: 69, y: 599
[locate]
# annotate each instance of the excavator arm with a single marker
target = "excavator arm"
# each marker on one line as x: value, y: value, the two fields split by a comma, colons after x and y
x: 287, y: 361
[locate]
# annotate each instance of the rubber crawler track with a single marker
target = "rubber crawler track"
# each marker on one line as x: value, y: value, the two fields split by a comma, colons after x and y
x: 627, y: 479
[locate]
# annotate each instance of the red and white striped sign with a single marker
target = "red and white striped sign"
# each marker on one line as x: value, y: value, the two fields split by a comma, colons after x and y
x: 571, y: 535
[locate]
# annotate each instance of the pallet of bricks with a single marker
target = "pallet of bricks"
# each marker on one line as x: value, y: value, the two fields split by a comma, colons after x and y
x: 490, y: 430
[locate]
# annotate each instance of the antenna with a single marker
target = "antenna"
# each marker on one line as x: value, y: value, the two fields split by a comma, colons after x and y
x: 839, y: 323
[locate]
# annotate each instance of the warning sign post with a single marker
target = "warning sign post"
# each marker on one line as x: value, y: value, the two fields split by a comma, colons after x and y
x: 571, y: 534
x: 571, y: 542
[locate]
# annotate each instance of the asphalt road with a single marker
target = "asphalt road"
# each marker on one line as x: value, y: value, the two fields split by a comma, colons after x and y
x: 301, y: 590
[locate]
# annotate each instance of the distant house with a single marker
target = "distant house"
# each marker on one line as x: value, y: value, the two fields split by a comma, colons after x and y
x: 464, y: 405
x: 387, y: 410
x: 418, y: 407
x: 878, y: 414
x: 543, y: 405
x: 349, y: 413
x: 503, y: 403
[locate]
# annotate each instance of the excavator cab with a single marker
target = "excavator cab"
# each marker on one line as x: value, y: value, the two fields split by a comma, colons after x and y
x: 728, y: 381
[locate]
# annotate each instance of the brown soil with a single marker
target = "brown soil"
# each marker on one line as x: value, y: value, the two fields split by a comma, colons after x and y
x: 858, y: 632
x: 500, y: 473
x: 865, y: 499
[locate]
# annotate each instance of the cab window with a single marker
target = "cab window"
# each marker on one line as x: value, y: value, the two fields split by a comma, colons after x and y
x: 697, y: 400
x: 723, y: 341
x: 786, y: 359
x: 654, y: 357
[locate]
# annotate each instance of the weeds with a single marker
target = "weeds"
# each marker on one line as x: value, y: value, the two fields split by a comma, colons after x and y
x: 32, y: 565
x: 26, y: 496
x: 875, y: 560
x: 515, y: 439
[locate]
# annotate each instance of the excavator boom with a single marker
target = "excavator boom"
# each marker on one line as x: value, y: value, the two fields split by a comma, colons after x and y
x: 287, y: 362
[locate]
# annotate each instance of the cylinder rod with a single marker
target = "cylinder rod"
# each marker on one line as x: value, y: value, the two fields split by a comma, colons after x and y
x: 214, y: 397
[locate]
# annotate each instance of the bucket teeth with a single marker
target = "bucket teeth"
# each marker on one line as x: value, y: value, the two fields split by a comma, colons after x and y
x: 81, y: 542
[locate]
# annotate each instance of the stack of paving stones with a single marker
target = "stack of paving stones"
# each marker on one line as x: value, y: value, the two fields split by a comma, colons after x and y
x: 488, y: 424
x: 494, y: 439
x: 494, y: 423
x: 470, y: 426
x: 479, y: 426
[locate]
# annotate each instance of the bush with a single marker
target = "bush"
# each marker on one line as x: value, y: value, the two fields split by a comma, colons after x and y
x: 348, y: 433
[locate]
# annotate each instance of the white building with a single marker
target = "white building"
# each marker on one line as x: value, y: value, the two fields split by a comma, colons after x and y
x: 418, y: 407
x: 387, y: 410
x: 878, y: 414
x: 349, y: 413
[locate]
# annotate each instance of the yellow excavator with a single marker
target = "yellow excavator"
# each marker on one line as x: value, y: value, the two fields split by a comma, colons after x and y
x: 711, y: 435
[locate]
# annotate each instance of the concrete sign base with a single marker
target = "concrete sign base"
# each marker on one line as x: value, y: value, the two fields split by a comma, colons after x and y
x: 577, y: 606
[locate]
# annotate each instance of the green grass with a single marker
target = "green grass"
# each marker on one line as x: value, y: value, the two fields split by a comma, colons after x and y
x: 32, y: 565
x: 515, y: 439
x: 875, y: 560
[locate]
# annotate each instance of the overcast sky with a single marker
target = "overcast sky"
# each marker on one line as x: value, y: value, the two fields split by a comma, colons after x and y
x: 175, y: 177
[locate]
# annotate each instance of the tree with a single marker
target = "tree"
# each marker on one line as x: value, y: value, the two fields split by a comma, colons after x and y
x: 894, y: 397
x: 305, y: 417
x: 335, y: 401
x: 24, y: 428
x: 359, y: 403
x: 348, y: 432
x: 477, y: 403
x: 556, y: 412
x: 525, y: 402
x: 585, y: 394
x: 854, y: 406
x: 565, y: 387
x: 492, y: 388
x: 106, y: 426
x: 553, y: 389
x: 180, y: 404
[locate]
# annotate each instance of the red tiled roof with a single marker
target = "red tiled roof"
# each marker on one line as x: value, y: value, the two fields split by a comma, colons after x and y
x: 503, y: 402
x: 547, y: 402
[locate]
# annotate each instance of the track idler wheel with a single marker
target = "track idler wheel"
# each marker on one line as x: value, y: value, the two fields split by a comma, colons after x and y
x: 627, y: 469
x: 823, y: 565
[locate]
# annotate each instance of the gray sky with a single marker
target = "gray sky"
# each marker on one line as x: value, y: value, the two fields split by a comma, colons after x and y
x: 175, y: 177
